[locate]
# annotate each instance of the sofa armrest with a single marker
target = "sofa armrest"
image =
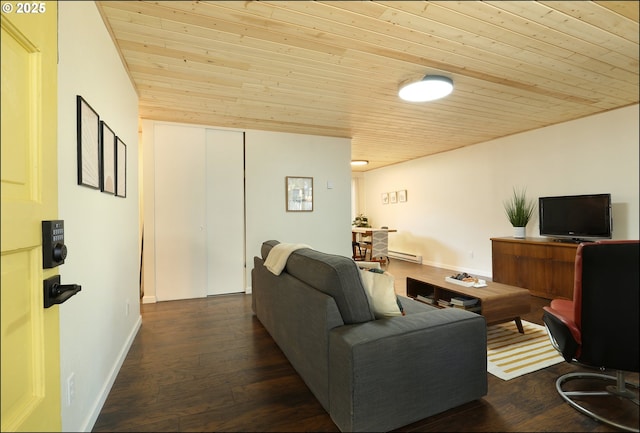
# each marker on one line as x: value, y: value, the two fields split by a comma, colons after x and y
x: 298, y: 318
x: 391, y: 372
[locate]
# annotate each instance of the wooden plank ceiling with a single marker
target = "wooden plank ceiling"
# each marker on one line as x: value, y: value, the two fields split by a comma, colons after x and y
x: 333, y: 67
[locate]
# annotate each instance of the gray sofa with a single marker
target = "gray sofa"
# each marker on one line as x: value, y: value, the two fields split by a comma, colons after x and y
x: 369, y: 374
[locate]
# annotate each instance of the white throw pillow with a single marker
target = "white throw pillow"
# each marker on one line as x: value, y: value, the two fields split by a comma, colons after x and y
x: 381, y: 292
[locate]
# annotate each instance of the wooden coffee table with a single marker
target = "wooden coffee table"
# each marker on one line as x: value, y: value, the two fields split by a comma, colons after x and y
x: 498, y: 302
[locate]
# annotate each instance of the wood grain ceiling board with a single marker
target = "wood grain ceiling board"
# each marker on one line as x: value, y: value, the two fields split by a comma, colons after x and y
x: 334, y: 67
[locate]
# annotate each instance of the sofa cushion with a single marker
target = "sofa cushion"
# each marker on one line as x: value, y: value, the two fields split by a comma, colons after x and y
x: 337, y: 276
x: 380, y: 288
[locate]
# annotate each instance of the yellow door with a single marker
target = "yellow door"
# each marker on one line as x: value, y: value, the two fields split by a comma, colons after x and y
x: 30, y: 333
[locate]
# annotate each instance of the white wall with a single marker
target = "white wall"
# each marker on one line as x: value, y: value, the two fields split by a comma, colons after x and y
x: 101, y: 230
x: 455, y: 198
x: 269, y: 158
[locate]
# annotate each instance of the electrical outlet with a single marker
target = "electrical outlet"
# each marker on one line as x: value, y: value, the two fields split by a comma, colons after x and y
x: 126, y: 308
x: 470, y: 254
x: 71, y: 389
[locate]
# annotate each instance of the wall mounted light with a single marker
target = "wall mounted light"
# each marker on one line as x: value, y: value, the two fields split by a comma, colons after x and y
x: 359, y: 162
x: 430, y: 88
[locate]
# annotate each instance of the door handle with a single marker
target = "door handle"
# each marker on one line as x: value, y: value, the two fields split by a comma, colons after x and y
x: 56, y: 293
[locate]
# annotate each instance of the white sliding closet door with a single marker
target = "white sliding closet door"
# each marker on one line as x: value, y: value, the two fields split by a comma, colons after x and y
x: 198, y: 211
x: 225, y: 211
x: 180, y: 212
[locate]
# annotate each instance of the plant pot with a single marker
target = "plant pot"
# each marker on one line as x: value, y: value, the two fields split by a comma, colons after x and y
x: 519, y: 232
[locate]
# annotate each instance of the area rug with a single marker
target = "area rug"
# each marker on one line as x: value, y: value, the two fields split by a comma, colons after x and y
x: 511, y: 354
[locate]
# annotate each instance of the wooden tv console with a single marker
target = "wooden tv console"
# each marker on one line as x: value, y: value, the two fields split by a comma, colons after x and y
x: 498, y: 302
x: 542, y: 266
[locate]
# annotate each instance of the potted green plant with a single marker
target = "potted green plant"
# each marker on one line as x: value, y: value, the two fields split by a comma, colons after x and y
x: 519, y: 211
x: 361, y: 221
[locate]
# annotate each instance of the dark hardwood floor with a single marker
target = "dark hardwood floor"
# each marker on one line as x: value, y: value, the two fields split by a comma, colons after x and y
x: 209, y: 365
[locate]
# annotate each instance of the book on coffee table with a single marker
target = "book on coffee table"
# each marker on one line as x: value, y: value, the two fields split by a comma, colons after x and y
x: 472, y: 308
x: 464, y: 301
x: 443, y: 303
x: 426, y: 299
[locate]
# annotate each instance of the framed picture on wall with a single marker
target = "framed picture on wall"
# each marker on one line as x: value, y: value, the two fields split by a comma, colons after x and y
x: 88, y: 136
x: 402, y: 196
x: 108, y: 173
x: 299, y: 193
x: 121, y: 168
x: 393, y: 197
x: 385, y: 198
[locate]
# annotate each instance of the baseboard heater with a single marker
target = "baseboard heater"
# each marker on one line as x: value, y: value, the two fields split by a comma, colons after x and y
x: 405, y: 256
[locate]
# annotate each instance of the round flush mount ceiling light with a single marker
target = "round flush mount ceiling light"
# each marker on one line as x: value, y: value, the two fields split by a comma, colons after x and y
x: 430, y: 88
x: 359, y: 162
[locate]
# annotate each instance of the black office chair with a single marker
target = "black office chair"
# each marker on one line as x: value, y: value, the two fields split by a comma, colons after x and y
x: 599, y: 327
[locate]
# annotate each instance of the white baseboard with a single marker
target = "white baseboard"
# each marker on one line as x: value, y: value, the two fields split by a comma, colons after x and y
x: 405, y: 256
x: 106, y: 388
x: 149, y: 300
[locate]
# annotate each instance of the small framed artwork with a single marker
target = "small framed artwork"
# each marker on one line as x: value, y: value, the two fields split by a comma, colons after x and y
x: 393, y: 197
x: 402, y: 196
x: 108, y: 172
x: 385, y: 198
x: 299, y: 193
x: 121, y: 168
x: 88, y: 136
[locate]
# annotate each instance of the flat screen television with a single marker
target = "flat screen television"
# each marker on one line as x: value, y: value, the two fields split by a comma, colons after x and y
x: 576, y: 217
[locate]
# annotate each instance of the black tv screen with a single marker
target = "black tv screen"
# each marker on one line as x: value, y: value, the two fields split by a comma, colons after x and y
x: 577, y: 217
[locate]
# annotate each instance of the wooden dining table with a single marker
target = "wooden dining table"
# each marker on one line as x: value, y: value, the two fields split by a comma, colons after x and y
x: 366, y: 231
x: 358, y: 232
